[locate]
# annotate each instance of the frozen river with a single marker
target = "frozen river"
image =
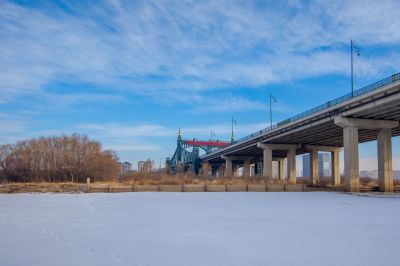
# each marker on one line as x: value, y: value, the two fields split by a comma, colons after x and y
x: 199, y: 229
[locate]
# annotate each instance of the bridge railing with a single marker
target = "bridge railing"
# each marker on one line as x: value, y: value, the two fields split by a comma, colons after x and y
x: 323, y: 106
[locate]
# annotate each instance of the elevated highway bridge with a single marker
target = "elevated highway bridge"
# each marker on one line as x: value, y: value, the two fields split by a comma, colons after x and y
x: 370, y: 113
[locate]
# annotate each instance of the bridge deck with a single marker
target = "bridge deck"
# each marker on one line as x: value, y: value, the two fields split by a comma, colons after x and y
x: 316, y: 126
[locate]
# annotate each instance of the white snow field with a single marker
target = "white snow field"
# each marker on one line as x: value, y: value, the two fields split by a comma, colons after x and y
x: 199, y: 229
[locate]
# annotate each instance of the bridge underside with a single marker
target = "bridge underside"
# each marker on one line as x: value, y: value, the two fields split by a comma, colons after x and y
x: 325, y: 133
x: 367, y: 117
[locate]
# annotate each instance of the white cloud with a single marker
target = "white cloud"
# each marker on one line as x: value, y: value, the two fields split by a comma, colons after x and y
x: 122, y: 147
x: 122, y: 131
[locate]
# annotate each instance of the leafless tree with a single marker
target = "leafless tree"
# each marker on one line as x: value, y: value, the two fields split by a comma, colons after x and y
x: 57, y: 159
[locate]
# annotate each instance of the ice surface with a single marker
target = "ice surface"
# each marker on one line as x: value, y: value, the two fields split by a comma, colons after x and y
x: 199, y: 229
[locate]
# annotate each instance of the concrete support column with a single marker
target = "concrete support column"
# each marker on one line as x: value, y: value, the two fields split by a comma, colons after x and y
x: 291, y: 165
x: 267, y: 163
x: 351, y: 163
x: 314, y: 167
x: 385, y: 175
x: 246, y: 168
x: 228, y: 167
x: 281, y: 169
x: 335, y: 165
x: 350, y: 133
x: 220, y: 171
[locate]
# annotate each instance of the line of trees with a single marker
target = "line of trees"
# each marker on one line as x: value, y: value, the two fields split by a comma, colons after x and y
x: 57, y: 159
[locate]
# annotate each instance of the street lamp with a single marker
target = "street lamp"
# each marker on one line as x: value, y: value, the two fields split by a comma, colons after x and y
x: 233, y: 122
x: 270, y: 107
x: 353, y: 49
x: 212, y: 135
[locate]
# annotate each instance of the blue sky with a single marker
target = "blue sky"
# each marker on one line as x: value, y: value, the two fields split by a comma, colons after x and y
x: 130, y: 73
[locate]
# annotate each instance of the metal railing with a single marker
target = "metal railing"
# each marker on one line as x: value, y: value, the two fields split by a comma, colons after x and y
x: 321, y: 107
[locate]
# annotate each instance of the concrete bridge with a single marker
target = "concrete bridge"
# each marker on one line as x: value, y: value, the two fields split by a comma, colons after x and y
x: 370, y: 113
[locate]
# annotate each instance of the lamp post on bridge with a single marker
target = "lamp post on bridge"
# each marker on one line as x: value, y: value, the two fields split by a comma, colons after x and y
x: 270, y: 107
x: 212, y: 135
x: 353, y: 49
x: 233, y: 138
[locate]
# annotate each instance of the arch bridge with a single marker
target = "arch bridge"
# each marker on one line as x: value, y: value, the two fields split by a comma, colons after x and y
x: 187, y: 153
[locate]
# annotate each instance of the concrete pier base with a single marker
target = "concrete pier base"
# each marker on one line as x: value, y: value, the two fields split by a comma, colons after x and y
x: 246, y: 168
x: 267, y: 163
x: 335, y: 164
x: 351, y: 161
x: 228, y: 167
x: 313, y: 166
x: 281, y: 165
x: 385, y: 175
x: 291, y: 165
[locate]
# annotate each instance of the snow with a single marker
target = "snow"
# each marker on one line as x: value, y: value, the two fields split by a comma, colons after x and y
x: 199, y: 229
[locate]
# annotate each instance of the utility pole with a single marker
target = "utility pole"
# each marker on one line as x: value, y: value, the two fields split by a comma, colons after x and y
x: 233, y: 122
x: 352, y: 50
x: 270, y: 107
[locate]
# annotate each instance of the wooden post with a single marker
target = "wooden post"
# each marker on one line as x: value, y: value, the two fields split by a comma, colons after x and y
x: 87, y: 184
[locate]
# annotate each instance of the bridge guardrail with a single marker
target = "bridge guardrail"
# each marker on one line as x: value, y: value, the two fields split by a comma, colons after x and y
x: 346, y: 97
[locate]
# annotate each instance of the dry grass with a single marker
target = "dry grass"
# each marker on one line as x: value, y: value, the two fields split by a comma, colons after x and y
x: 42, y: 187
x: 165, y: 179
x: 367, y: 181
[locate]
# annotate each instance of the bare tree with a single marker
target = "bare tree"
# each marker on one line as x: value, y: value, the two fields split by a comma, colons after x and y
x: 57, y: 159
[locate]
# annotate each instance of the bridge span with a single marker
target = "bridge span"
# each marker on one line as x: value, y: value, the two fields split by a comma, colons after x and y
x: 370, y: 113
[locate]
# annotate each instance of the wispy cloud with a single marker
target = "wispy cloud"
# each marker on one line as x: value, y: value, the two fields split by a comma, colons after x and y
x: 192, y: 45
x: 138, y: 147
x: 136, y: 133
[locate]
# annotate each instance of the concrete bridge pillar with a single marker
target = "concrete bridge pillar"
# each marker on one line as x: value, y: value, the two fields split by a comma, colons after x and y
x: 228, y: 167
x: 291, y: 165
x: 335, y: 165
x: 267, y: 163
x: 220, y: 171
x: 229, y: 162
x: 256, y: 168
x: 246, y: 168
x: 385, y: 175
x: 335, y: 162
x: 314, y: 173
x: 350, y: 139
x: 351, y: 160
x: 291, y: 159
x: 281, y: 169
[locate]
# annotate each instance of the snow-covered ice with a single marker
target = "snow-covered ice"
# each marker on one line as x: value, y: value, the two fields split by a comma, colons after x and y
x: 199, y: 229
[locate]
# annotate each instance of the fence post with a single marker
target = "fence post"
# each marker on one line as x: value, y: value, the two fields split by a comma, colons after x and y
x: 87, y: 184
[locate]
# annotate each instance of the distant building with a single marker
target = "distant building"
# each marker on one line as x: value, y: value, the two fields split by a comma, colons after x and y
x: 324, y: 164
x: 140, y: 165
x: 374, y: 174
x: 306, y: 165
x: 120, y: 168
x: 396, y: 174
x: 127, y: 167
